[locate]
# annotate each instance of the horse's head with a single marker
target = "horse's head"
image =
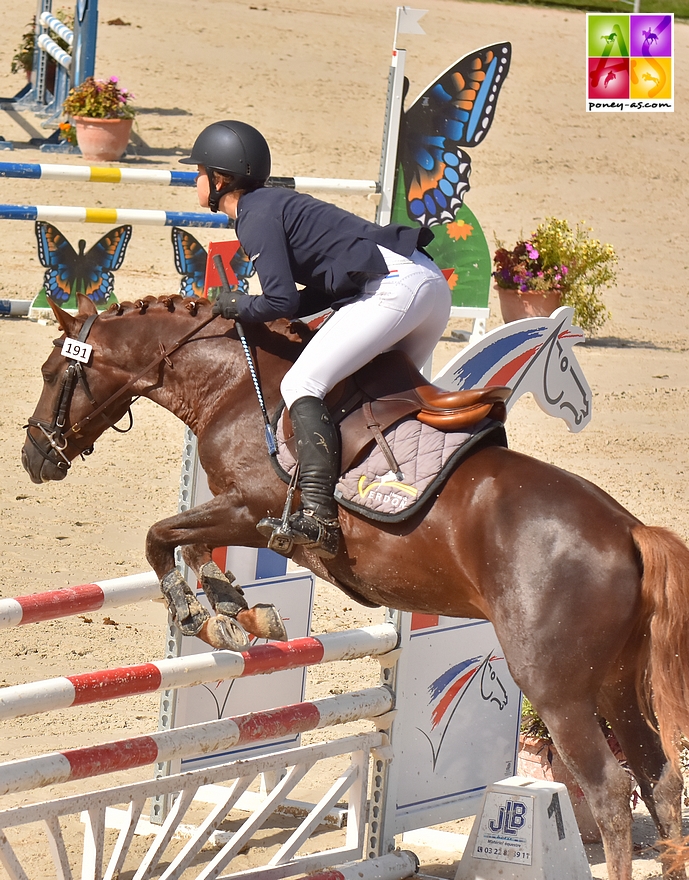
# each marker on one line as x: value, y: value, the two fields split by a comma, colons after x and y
x: 564, y: 391
x: 534, y: 355
x: 132, y: 344
x: 71, y: 389
x: 492, y: 689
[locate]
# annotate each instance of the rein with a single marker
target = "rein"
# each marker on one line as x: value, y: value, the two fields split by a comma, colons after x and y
x: 74, y: 373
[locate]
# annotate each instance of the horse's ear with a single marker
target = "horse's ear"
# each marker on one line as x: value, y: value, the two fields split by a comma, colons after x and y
x: 66, y: 322
x: 87, y: 306
x: 303, y: 332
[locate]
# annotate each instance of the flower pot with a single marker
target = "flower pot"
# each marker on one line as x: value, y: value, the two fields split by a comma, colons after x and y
x: 515, y: 305
x: 539, y: 759
x: 102, y: 140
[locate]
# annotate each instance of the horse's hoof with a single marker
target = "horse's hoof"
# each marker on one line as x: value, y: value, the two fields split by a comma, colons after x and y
x: 264, y: 621
x: 225, y: 634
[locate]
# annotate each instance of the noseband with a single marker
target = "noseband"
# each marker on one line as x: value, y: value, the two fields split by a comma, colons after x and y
x: 54, y: 431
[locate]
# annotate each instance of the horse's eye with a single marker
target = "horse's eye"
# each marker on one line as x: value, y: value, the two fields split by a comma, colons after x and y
x: 48, y: 377
x: 564, y: 364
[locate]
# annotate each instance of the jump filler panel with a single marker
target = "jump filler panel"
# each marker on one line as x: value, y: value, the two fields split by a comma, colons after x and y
x: 630, y: 63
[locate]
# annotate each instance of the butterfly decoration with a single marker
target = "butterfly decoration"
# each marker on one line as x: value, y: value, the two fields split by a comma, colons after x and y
x: 243, y: 268
x: 190, y: 262
x: 456, y: 111
x: 88, y: 272
x: 191, y: 258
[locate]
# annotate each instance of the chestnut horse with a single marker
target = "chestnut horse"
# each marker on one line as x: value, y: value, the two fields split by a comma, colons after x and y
x: 591, y: 607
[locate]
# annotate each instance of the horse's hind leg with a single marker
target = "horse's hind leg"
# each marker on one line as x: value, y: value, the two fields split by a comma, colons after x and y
x: 580, y: 741
x: 660, y: 784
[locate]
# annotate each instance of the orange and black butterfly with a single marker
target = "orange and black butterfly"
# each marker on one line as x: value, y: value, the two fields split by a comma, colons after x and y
x: 190, y: 262
x: 89, y: 272
x: 455, y: 111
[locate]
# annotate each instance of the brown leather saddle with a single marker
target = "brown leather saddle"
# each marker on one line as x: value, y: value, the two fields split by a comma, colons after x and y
x: 391, y: 388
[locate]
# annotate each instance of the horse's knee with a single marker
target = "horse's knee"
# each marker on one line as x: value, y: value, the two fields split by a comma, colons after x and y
x: 158, y: 549
x: 152, y: 542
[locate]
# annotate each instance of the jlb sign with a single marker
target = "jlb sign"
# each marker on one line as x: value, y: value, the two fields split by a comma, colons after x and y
x: 530, y: 825
x: 506, y: 830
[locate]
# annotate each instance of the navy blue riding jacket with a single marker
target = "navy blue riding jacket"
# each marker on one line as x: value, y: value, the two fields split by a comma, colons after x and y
x: 293, y: 238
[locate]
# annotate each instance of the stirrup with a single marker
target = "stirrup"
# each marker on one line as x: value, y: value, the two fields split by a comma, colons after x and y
x: 279, y: 534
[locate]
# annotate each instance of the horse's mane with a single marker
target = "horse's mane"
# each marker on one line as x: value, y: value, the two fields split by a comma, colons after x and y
x: 283, y: 338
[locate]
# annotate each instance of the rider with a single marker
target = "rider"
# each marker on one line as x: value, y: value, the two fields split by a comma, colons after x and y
x: 385, y: 291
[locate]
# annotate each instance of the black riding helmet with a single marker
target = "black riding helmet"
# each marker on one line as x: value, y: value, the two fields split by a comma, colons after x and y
x: 231, y: 147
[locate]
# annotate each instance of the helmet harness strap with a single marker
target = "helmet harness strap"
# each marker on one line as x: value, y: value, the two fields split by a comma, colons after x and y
x: 215, y: 194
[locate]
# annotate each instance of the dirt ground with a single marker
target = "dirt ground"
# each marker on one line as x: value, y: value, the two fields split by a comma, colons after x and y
x: 312, y: 76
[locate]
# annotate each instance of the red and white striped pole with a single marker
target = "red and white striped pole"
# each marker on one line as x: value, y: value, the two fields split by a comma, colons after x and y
x: 78, y: 599
x: 195, y: 739
x: 160, y: 675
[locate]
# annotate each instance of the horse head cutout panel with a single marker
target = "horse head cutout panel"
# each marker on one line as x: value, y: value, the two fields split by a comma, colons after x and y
x: 534, y: 354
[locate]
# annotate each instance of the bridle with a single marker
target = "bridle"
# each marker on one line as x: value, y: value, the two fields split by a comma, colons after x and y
x: 54, y: 431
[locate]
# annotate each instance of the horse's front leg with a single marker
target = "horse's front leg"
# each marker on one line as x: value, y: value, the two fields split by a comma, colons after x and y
x: 197, y: 531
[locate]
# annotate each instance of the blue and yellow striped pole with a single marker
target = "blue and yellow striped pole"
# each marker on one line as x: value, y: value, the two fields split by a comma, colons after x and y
x: 96, y: 174
x: 113, y: 216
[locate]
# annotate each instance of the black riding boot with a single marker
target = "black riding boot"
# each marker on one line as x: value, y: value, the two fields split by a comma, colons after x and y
x: 315, y: 524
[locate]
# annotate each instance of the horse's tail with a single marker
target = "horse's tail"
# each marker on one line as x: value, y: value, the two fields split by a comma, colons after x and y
x: 663, y: 675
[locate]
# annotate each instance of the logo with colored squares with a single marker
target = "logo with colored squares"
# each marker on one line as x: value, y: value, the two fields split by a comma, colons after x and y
x: 629, y: 62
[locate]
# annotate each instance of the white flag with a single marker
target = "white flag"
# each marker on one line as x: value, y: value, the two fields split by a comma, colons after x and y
x: 408, y: 20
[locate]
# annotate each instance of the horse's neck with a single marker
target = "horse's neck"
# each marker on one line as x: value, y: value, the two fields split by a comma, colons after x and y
x: 209, y: 378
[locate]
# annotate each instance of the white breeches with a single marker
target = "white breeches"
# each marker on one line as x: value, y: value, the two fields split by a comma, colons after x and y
x: 407, y: 310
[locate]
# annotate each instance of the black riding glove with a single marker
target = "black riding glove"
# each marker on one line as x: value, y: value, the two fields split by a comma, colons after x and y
x: 227, y: 304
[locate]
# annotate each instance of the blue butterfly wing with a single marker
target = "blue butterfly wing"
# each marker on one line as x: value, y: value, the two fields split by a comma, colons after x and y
x: 58, y: 256
x: 243, y: 268
x: 190, y: 262
x: 95, y: 267
x: 455, y: 111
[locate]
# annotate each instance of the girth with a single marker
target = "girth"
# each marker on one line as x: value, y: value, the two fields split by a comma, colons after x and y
x: 390, y: 388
